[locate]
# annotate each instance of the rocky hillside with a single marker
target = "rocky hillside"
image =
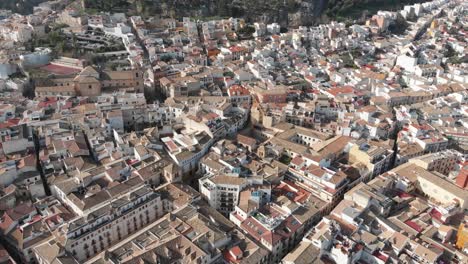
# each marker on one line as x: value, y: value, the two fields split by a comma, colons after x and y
x: 290, y: 13
x: 286, y: 12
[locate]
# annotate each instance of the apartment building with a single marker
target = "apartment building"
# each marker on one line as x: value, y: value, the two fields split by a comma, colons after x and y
x: 375, y: 158
x: 112, y: 215
x: 443, y: 162
x: 223, y: 192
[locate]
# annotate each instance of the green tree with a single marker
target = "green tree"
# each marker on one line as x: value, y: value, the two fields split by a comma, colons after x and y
x: 246, y: 32
x: 229, y: 74
x: 61, y: 46
x: 74, y: 43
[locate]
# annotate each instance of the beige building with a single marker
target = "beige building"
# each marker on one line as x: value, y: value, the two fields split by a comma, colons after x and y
x: 114, y: 215
x: 73, y: 18
x: 375, y: 158
x: 305, y: 253
x: 438, y: 188
x: 180, y: 86
x: 442, y: 162
x: 90, y: 82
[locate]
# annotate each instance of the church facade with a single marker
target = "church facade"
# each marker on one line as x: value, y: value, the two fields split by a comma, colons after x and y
x: 90, y: 82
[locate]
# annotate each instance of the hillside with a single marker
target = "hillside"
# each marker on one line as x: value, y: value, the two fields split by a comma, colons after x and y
x: 20, y: 6
x: 286, y: 12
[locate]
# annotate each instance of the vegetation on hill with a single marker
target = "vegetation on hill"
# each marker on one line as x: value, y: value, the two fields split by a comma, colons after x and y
x: 285, y: 12
x: 108, y: 5
x: 20, y: 6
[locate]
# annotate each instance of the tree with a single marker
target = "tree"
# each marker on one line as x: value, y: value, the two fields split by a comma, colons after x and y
x: 32, y: 44
x: 60, y: 46
x: 98, y: 59
x: 246, y: 32
x: 107, y: 5
x: 229, y: 74
x: 74, y: 42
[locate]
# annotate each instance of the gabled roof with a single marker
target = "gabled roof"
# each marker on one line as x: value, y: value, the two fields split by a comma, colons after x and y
x: 89, y: 71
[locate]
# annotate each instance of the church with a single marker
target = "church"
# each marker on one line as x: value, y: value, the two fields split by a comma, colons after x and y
x: 91, y: 82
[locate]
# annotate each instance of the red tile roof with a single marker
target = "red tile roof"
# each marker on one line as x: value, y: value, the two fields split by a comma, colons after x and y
x: 255, y: 229
x: 238, y: 90
x: 13, y: 121
x: 237, y: 49
x: 404, y: 195
x: 48, y: 102
x: 298, y: 161
x: 436, y: 214
x: 341, y: 90
x: 67, y: 105
x: 5, y: 223
x: 236, y: 252
x: 414, y: 225
x: 272, y: 238
x: 462, y: 178
x: 381, y: 256
x: 211, y: 116
x: 292, y: 191
x: 60, y: 70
